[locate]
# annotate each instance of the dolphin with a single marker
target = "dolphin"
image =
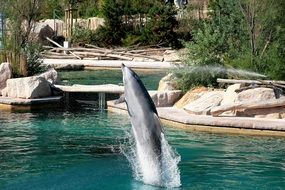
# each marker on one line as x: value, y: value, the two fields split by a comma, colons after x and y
x: 146, y: 126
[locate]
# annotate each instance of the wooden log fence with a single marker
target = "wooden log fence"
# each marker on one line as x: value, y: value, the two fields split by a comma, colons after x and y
x: 94, y: 52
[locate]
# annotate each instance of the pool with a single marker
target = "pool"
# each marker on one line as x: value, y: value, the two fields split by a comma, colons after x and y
x: 150, y: 78
x: 82, y: 149
x: 60, y: 149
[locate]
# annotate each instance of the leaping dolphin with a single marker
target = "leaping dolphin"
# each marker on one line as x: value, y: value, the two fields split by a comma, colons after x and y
x: 145, y: 125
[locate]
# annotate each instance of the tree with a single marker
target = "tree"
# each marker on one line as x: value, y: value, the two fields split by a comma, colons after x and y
x: 22, y: 15
x: 246, y: 34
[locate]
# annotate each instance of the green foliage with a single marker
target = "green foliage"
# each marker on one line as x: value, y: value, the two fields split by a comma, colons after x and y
x: 135, y: 22
x: 51, y: 9
x: 238, y: 34
x: 112, y: 31
x: 82, y: 35
x: 192, y: 76
x: 160, y: 28
x: 34, y: 63
x: 88, y: 8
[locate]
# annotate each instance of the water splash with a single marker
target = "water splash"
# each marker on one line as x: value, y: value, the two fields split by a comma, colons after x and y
x: 162, y: 171
x: 220, y: 70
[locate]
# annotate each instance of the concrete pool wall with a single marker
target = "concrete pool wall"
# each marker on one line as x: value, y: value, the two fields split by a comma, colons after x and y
x: 178, y: 118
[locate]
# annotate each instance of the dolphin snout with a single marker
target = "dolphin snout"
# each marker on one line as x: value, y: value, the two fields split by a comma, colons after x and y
x: 123, y: 65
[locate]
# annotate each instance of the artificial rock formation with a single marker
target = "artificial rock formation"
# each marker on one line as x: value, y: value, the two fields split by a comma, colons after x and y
x: 256, y: 94
x: 28, y: 87
x: 191, y: 96
x: 167, y: 83
x: 165, y: 98
x: 5, y: 74
x: 51, y: 76
x: 205, y: 103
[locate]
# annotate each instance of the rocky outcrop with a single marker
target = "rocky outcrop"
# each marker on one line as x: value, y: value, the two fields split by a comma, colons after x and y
x: 51, y: 76
x: 28, y: 87
x: 191, y: 96
x: 5, y: 74
x: 165, y: 98
x: 45, y: 31
x: 259, y: 95
x: 205, y: 103
x: 256, y: 102
x: 230, y: 97
x: 231, y: 94
x: 256, y: 94
x: 167, y: 83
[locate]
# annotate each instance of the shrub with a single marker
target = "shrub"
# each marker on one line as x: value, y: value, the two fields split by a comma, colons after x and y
x: 34, y: 63
x: 191, y: 76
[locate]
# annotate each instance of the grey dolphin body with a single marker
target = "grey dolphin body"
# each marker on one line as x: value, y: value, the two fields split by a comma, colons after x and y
x: 144, y: 118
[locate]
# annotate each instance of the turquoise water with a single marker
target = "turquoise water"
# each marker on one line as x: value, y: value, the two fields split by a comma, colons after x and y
x: 81, y: 149
x: 59, y: 149
x: 150, y: 78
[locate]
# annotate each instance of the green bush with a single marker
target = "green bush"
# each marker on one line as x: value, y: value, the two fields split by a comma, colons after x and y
x: 229, y: 39
x: 82, y: 35
x: 157, y: 29
x: 191, y: 76
x: 34, y: 63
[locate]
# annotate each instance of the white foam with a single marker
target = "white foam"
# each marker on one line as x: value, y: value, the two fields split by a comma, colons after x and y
x: 153, y: 170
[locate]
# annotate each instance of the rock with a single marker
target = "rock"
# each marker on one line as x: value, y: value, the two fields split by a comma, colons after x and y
x: 191, y: 96
x: 230, y: 94
x: 205, y: 103
x: 56, y: 25
x: 230, y: 97
x: 51, y: 76
x: 5, y: 74
x: 5, y: 92
x: 28, y: 87
x: 167, y: 83
x: 45, y: 31
x: 269, y: 113
x: 256, y: 94
x: 165, y: 98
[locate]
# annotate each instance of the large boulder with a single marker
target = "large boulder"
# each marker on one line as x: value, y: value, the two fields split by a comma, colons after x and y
x: 165, y: 98
x: 191, y: 96
x: 5, y: 74
x: 167, y: 83
x: 205, y: 103
x: 45, y: 31
x: 231, y: 94
x: 51, y: 76
x: 256, y: 94
x: 230, y: 97
x: 28, y: 87
x: 259, y: 95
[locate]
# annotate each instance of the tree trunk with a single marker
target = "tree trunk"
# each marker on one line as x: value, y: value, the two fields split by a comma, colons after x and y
x: 24, y: 65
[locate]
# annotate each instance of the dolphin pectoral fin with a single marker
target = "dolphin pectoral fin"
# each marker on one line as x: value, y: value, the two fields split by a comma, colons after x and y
x: 130, y: 114
x: 120, y: 100
x: 157, y: 123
